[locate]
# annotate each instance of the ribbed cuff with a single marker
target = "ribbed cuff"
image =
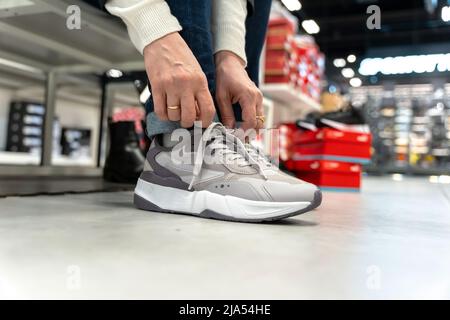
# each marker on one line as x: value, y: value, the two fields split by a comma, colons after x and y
x: 149, y: 22
x: 229, y: 37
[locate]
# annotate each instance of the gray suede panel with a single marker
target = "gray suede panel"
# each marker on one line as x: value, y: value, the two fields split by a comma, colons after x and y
x: 157, y: 168
x: 159, y: 174
x: 173, y: 182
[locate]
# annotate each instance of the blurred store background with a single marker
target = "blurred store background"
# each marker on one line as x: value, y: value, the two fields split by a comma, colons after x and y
x: 355, y: 86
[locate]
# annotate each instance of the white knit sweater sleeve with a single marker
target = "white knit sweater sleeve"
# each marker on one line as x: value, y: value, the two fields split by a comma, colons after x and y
x: 228, y: 26
x: 149, y: 20
x: 146, y: 20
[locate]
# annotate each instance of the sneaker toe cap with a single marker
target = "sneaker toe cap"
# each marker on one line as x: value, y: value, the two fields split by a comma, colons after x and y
x: 293, y: 193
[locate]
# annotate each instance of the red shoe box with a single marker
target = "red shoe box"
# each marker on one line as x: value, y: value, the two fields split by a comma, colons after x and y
x: 277, y: 59
x: 277, y: 25
x: 329, y: 174
x: 329, y: 142
x: 289, y: 164
x: 301, y: 58
x: 287, y: 78
x: 277, y: 67
x: 278, y: 42
x: 279, y: 34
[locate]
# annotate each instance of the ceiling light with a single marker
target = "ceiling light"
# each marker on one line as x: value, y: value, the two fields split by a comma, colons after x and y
x: 355, y: 82
x: 445, y: 14
x: 292, y: 5
x: 310, y: 26
x: 351, y: 58
x: 114, y: 73
x: 339, y: 62
x: 405, y: 64
x: 348, y: 73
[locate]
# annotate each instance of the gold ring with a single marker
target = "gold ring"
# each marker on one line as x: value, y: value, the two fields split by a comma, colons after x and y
x: 173, y: 107
x: 261, y: 118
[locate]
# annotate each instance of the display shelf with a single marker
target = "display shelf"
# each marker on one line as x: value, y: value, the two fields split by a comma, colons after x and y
x: 290, y: 97
x: 37, y: 39
x: 20, y: 158
x: 39, y: 48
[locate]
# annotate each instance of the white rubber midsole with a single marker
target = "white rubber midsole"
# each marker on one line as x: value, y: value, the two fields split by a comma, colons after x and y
x: 195, y: 202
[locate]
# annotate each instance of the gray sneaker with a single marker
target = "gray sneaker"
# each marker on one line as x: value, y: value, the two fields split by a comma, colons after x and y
x: 271, y: 170
x: 220, y: 180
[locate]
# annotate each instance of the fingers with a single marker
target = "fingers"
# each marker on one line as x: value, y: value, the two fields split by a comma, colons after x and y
x: 186, y: 99
x: 188, y: 112
x: 205, y: 107
x: 248, y: 105
x: 226, y: 110
x: 259, y: 111
x: 173, y: 107
x: 159, y: 101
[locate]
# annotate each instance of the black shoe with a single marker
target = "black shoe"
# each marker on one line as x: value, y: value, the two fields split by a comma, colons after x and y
x: 125, y: 160
x: 313, y: 120
x: 350, y: 116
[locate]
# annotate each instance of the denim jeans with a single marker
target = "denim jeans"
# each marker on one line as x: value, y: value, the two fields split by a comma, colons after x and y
x: 195, y: 16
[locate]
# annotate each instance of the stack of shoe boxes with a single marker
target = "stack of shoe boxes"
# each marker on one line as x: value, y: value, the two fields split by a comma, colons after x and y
x: 329, y: 157
x: 278, y: 63
x: 25, y: 127
x: 309, y: 66
x: 293, y: 59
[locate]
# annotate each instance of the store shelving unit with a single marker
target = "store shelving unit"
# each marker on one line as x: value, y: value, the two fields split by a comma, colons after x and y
x: 291, y: 98
x: 38, y: 49
x: 34, y: 159
x: 410, y: 124
x: 293, y: 103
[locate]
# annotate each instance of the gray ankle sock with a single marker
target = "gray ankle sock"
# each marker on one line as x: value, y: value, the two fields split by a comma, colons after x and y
x: 167, y: 141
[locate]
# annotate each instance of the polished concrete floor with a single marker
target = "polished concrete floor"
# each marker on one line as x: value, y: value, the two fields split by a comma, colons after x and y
x: 33, y: 186
x: 392, y: 240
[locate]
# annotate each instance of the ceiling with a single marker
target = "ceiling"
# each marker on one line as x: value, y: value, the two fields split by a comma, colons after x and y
x: 343, y: 24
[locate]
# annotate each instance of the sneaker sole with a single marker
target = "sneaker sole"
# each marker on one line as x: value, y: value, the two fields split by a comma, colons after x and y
x: 153, y: 197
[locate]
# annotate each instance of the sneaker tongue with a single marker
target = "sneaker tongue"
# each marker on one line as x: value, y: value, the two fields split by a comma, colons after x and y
x: 259, y: 156
x: 234, y: 161
x: 230, y: 157
x: 192, y: 138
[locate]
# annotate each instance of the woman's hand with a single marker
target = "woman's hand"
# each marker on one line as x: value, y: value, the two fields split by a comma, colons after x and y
x: 233, y: 85
x: 179, y: 86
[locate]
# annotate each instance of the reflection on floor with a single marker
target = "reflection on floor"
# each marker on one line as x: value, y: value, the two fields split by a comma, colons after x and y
x: 392, y: 240
x: 11, y: 186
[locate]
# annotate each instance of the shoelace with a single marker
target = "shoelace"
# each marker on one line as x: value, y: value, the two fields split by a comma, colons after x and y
x: 216, y: 137
x: 254, y: 152
x: 258, y: 155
